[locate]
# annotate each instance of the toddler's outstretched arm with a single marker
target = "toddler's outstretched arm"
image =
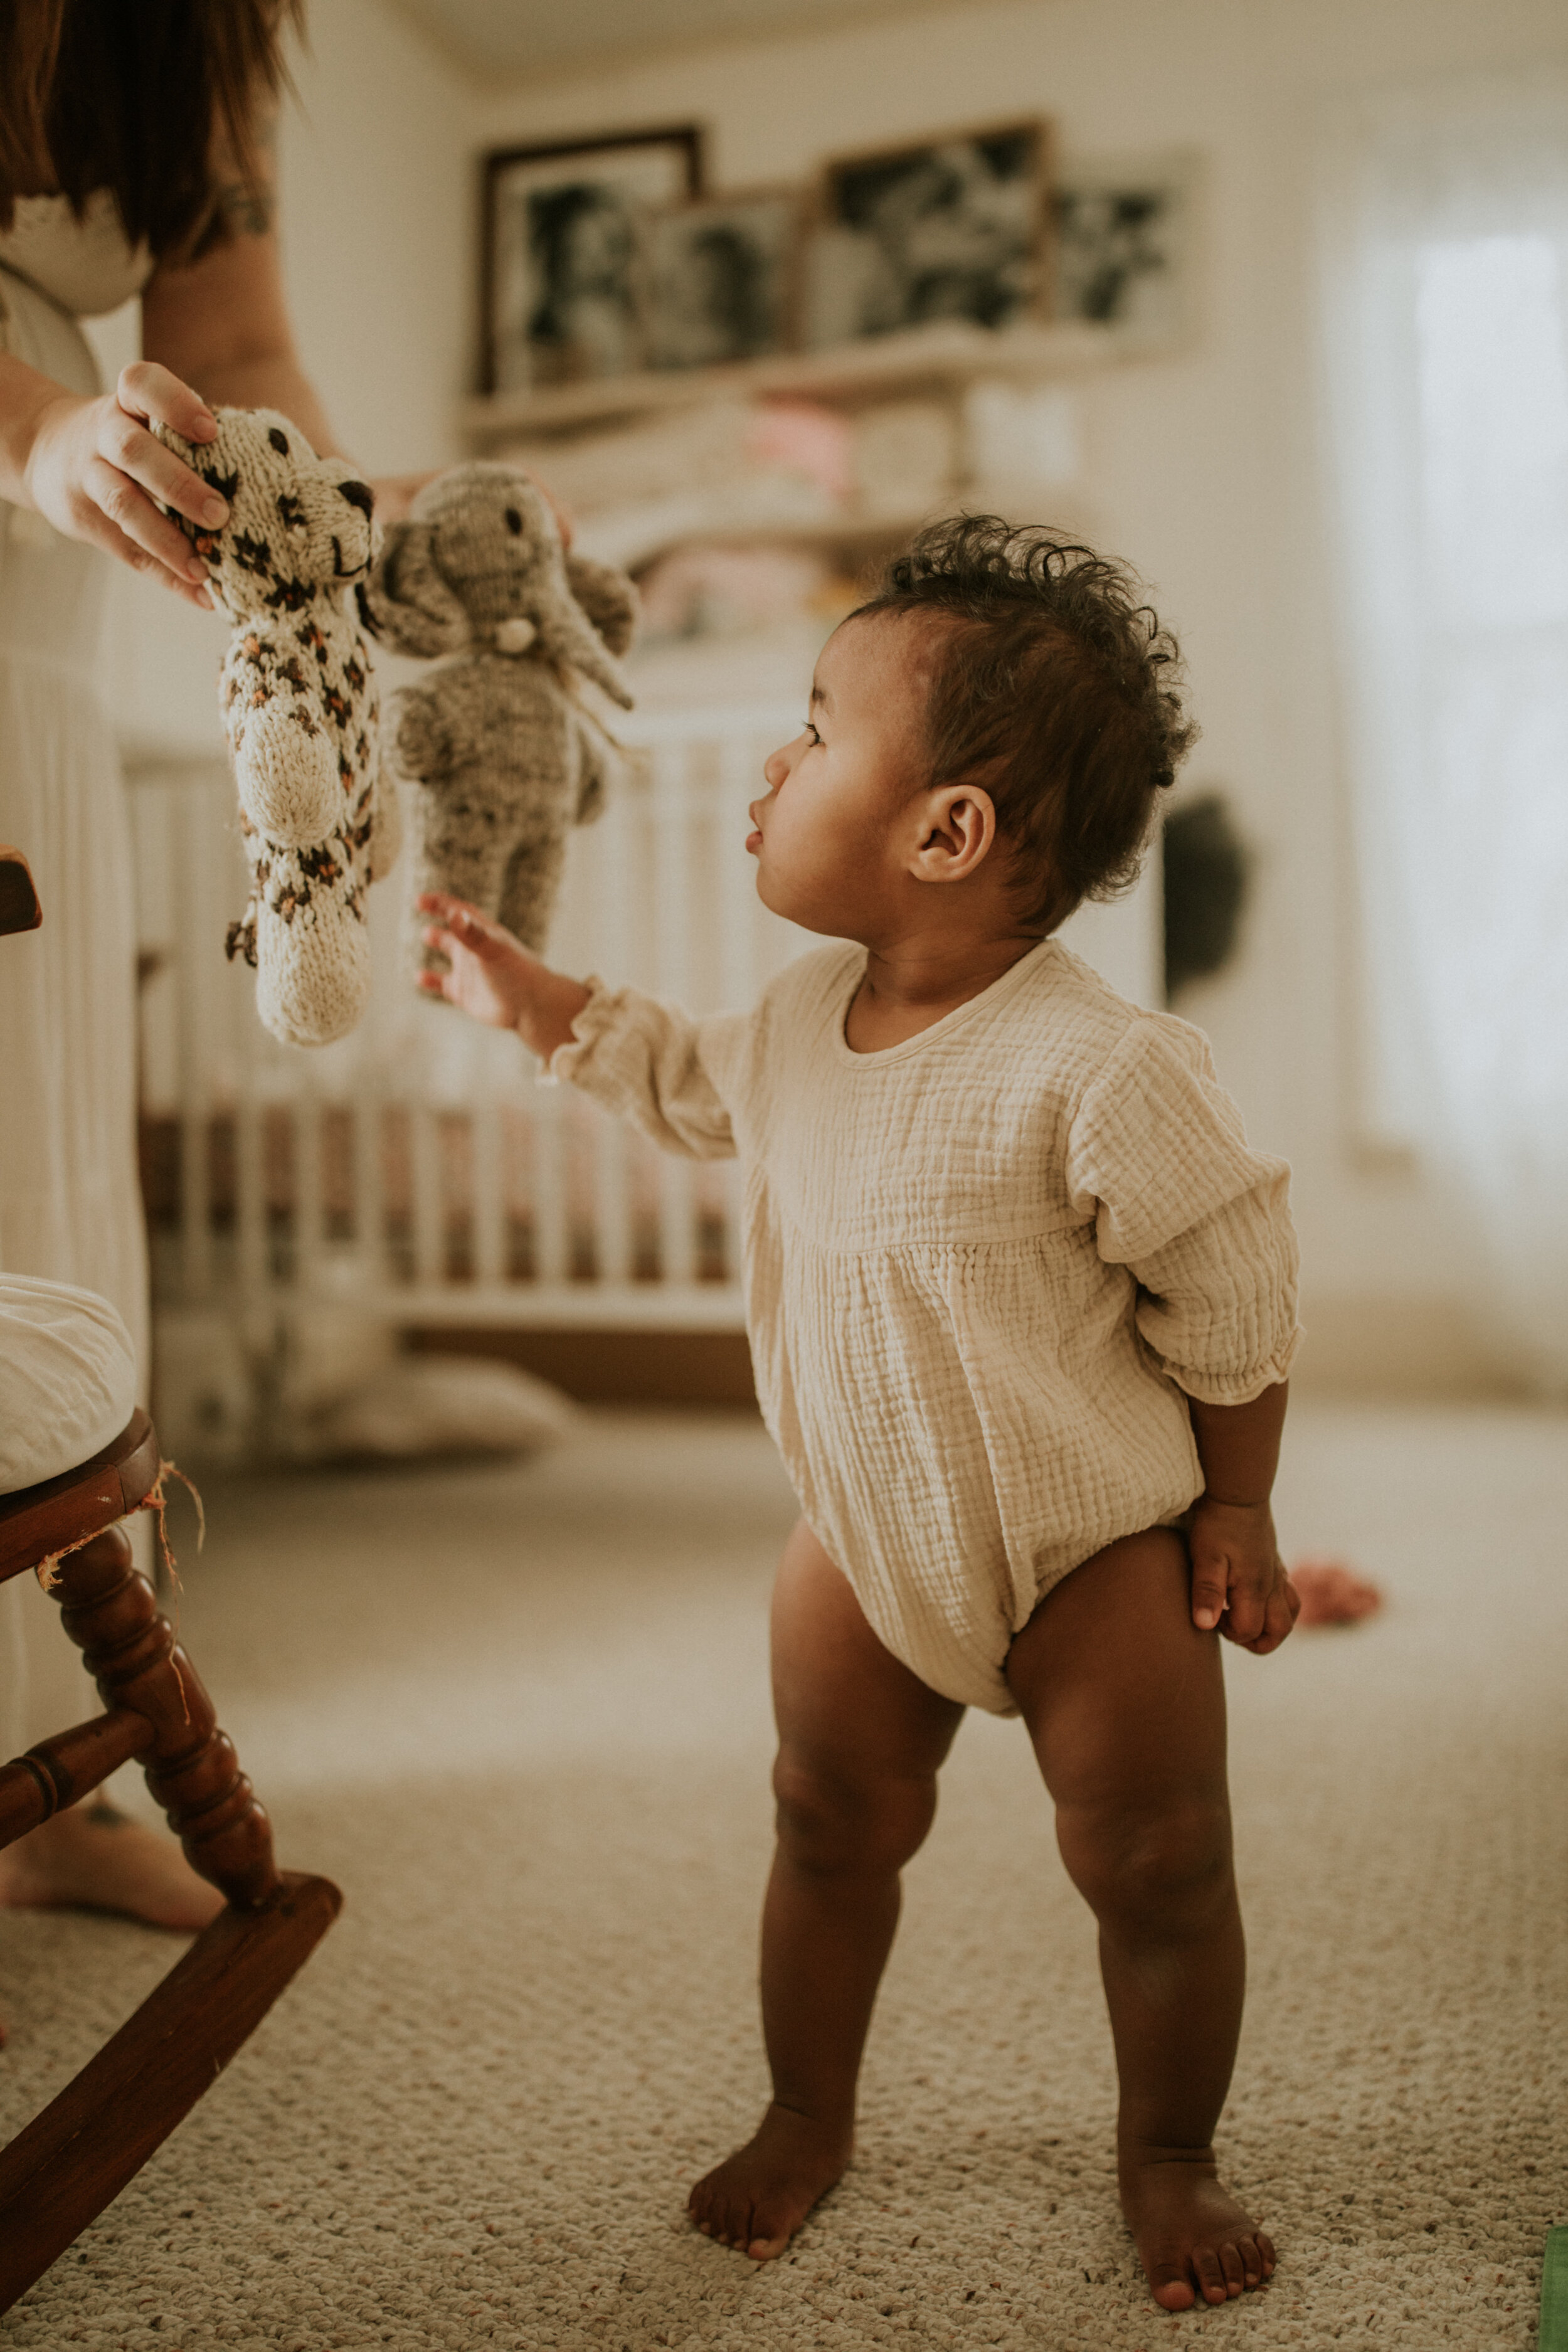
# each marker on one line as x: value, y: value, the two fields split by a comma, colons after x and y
x: 493, y: 978
x: 1238, y: 1577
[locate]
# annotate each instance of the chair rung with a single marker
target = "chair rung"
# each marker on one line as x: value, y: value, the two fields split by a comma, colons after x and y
x: 57, y: 1771
x: 74, y: 2158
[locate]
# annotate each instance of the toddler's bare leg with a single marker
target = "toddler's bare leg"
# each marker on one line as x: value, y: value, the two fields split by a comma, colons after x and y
x: 860, y: 1739
x: 1125, y: 1703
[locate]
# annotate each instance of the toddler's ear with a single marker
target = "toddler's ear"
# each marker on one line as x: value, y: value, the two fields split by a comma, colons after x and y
x: 406, y: 601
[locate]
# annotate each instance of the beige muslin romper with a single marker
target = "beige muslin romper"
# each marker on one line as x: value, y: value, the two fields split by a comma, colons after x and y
x: 981, y: 1267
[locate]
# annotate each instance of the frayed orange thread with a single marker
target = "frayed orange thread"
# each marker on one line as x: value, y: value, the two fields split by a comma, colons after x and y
x: 155, y: 1500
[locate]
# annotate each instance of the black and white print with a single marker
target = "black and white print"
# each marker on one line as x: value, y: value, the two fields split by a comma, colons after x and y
x: 952, y: 228
x: 1121, y: 243
x: 563, y: 227
x: 720, y: 278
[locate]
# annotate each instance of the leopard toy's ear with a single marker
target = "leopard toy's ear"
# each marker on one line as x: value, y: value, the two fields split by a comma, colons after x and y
x: 218, y: 464
x: 406, y: 602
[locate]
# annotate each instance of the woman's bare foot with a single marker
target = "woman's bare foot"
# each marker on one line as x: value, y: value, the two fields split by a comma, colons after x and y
x: 758, y: 2198
x: 93, y: 1857
x: 1193, y: 2239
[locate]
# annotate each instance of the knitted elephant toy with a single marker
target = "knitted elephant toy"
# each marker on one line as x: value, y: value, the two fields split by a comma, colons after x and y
x: 504, y: 754
x: 300, y: 704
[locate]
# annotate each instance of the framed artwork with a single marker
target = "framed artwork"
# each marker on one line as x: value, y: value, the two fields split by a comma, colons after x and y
x: 1123, y: 242
x: 953, y: 227
x: 561, y: 248
x: 720, y: 278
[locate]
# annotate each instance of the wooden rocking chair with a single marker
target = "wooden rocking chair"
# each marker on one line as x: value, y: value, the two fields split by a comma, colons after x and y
x: 74, y: 2158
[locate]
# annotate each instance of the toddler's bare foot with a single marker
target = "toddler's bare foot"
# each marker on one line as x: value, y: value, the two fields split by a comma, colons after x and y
x: 94, y: 1858
x: 759, y: 2197
x: 1193, y: 2239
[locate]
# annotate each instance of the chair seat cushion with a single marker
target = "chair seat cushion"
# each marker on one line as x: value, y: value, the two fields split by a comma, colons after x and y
x: 68, y: 1378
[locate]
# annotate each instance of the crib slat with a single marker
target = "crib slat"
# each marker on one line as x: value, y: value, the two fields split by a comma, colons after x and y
x: 672, y: 799
x: 252, y: 1253
x: 488, y: 1205
x: 551, y: 1252
x: 369, y: 1187
x: 424, y: 1169
x: 309, y: 1218
x: 613, y: 951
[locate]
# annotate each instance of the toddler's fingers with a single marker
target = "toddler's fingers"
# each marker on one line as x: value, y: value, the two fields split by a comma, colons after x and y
x: 1248, y: 1607
x: 1211, y: 1590
x: 476, y: 930
x: 1278, y: 1618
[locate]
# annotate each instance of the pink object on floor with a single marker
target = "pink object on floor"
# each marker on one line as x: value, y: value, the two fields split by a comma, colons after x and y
x: 1333, y: 1594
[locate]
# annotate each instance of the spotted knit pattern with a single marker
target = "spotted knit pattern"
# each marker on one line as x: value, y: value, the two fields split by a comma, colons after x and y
x: 981, y: 1267
x: 299, y: 700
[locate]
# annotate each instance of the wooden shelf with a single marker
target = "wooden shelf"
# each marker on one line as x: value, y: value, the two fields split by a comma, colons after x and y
x: 939, y: 357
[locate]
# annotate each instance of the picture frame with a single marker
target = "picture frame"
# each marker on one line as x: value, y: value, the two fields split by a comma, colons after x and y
x: 1125, y: 243
x: 561, y: 228
x: 721, y: 277
x: 957, y: 226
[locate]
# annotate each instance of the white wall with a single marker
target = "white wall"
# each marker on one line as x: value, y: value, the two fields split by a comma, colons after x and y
x: 1204, y: 472
x: 375, y: 182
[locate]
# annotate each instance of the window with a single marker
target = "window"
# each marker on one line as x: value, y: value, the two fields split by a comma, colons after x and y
x: 1446, y: 309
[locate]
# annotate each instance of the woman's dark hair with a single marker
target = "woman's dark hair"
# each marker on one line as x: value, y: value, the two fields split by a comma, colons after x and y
x: 132, y: 95
x: 1056, y: 691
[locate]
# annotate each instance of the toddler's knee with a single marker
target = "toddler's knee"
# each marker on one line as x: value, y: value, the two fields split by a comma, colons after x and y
x: 1167, y: 1869
x: 828, y: 1822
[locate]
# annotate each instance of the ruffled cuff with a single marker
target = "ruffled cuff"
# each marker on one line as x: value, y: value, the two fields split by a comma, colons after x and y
x: 595, y: 1021
x: 1238, y: 1387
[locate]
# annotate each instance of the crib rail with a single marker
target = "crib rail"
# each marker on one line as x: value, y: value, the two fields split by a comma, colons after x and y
x: 419, y: 1169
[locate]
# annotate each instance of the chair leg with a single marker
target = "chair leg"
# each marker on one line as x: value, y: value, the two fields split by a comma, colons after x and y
x: 109, y: 1611
x: 68, y: 2163
x: 71, y: 2161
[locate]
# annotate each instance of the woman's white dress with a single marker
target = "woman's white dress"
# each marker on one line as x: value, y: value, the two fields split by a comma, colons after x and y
x: 70, y: 1207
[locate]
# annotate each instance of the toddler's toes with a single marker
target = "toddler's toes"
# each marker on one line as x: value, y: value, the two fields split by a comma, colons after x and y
x: 1172, y: 2286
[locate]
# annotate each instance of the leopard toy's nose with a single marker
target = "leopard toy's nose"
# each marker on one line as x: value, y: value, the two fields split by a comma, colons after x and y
x: 359, y: 494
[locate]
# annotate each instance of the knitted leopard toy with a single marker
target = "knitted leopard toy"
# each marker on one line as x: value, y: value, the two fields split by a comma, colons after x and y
x: 300, y: 704
x: 501, y: 747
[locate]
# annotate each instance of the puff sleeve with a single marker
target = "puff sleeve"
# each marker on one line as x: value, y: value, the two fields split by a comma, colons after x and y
x: 652, y: 1064
x: 1158, y: 1157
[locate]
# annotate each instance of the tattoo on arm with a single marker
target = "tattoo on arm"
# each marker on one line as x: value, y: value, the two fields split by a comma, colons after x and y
x: 243, y: 210
x: 248, y: 207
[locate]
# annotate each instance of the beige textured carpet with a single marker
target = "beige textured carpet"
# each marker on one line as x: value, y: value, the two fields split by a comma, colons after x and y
x: 520, y: 1714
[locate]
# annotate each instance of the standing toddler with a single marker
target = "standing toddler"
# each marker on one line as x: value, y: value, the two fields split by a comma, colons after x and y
x: 1021, y: 1303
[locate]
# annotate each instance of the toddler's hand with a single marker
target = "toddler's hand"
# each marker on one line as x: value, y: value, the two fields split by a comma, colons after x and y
x: 1240, y: 1582
x: 492, y: 977
x: 490, y: 972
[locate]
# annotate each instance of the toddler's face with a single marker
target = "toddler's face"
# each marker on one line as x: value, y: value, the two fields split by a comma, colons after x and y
x: 826, y: 841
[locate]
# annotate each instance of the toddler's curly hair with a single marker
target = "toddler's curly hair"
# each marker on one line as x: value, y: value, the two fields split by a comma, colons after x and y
x: 1056, y: 690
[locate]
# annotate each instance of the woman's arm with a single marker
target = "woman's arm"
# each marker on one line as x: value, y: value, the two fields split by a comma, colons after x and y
x: 221, y: 322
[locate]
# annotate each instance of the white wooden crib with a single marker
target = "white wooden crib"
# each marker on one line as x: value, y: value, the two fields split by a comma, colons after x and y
x: 417, y: 1172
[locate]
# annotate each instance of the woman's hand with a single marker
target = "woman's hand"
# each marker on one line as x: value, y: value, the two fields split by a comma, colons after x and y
x: 492, y: 977
x: 94, y: 470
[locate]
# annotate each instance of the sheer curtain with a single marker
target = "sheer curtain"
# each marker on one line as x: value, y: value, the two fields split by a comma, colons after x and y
x: 1445, y: 298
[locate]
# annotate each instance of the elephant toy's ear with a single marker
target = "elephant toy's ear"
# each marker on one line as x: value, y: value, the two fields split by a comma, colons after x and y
x: 608, y: 598
x: 406, y: 600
